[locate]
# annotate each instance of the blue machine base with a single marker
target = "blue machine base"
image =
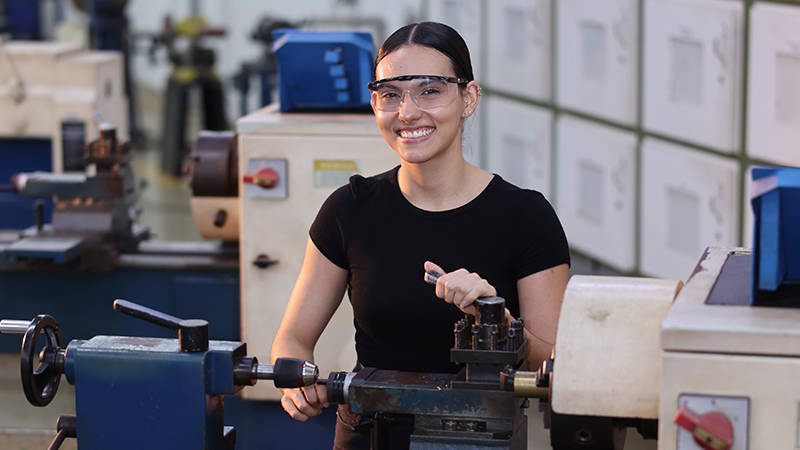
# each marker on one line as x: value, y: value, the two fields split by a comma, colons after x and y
x: 81, y: 303
x: 264, y: 425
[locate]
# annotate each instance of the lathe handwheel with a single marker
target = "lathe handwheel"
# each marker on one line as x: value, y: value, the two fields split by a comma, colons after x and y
x: 40, y: 385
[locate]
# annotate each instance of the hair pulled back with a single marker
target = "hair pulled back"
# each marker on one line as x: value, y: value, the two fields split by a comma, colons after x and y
x: 437, y: 36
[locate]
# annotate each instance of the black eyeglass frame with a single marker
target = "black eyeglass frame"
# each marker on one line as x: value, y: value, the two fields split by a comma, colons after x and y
x: 373, y: 86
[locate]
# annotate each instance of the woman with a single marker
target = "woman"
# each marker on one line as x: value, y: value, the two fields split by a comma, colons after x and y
x: 435, y: 212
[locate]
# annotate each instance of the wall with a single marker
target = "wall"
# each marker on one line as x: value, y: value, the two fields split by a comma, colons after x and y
x: 651, y: 113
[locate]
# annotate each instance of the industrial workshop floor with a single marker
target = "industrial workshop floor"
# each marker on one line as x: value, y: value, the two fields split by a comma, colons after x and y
x: 165, y: 198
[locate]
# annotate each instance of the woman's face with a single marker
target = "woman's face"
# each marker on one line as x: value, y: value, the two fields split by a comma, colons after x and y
x: 419, y: 135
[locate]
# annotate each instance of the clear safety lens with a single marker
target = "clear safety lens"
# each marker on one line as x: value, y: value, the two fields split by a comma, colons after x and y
x: 426, y: 91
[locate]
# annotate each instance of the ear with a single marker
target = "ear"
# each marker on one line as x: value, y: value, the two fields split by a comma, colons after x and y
x: 372, y: 102
x: 471, y: 96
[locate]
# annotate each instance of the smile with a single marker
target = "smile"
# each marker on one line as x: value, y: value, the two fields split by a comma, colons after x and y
x: 416, y: 133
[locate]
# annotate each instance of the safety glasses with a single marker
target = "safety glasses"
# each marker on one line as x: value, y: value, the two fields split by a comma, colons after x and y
x: 427, y: 91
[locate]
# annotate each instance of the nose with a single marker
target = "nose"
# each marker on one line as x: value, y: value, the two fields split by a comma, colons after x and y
x: 409, y: 109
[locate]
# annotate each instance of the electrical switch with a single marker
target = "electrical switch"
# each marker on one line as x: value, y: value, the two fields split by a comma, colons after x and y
x: 711, y: 431
x: 266, y: 177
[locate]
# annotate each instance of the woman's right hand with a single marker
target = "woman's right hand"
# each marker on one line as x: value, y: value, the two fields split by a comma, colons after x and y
x: 306, y: 402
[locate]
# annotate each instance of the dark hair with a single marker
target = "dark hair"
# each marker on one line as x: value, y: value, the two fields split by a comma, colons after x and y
x: 437, y: 36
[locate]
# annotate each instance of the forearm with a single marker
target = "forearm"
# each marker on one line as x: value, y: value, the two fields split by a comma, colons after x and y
x: 290, y: 347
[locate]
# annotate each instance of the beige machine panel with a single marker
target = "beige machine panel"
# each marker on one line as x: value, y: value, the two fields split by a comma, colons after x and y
x: 607, y: 359
x: 317, y: 154
x: 742, y: 359
x: 768, y: 382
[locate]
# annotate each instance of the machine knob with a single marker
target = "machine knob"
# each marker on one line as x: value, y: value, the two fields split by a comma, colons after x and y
x: 266, y: 177
x: 711, y: 431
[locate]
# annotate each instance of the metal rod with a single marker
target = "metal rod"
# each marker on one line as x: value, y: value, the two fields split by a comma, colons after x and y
x: 263, y: 371
x: 14, y: 326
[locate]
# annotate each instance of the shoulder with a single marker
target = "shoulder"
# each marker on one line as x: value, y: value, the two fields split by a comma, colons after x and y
x: 367, y: 192
x: 360, y: 185
x: 517, y: 197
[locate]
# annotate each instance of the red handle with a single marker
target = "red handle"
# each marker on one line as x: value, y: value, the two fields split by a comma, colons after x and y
x: 266, y: 177
x: 711, y: 431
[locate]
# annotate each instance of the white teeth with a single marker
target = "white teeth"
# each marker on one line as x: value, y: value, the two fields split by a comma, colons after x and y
x: 416, y: 134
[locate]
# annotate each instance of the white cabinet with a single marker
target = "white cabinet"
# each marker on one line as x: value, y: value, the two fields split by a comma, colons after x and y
x: 518, y: 48
x: 597, y: 58
x: 690, y: 201
x: 465, y: 17
x: 773, y: 100
x: 518, y: 143
x: 596, y: 190
x: 692, y: 60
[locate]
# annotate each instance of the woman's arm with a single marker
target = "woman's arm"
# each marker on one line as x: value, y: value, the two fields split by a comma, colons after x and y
x: 540, y: 296
x: 316, y: 296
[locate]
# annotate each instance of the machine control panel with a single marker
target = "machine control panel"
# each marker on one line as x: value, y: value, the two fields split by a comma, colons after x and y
x: 712, y: 422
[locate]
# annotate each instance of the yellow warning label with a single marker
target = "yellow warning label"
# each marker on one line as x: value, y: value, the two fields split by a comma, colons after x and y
x: 332, y: 173
x: 336, y: 165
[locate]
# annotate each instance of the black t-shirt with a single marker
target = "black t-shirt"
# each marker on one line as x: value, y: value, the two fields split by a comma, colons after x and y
x: 369, y: 228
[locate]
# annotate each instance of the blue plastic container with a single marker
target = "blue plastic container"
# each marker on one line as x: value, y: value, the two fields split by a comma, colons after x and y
x: 323, y: 71
x: 775, y: 196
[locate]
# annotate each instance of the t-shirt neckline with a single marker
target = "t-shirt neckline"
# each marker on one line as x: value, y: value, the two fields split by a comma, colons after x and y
x: 439, y: 214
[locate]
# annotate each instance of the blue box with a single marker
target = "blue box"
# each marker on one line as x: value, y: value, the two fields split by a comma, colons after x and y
x: 313, y: 65
x: 775, y: 197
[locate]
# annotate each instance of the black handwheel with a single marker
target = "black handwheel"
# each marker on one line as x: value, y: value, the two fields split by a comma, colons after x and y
x: 40, y: 385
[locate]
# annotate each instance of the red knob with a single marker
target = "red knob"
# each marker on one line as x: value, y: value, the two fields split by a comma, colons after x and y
x: 266, y: 177
x: 711, y: 431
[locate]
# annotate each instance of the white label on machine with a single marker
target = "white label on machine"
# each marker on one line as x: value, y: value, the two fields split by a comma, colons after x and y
x: 332, y: 173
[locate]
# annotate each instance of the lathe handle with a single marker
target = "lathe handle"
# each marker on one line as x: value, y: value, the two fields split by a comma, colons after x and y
x: 192, y: 333
x: 67, y: 427
x: 147, y: 314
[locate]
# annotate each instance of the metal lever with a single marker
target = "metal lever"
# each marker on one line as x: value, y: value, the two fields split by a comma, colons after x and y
x: 67, y: 427
x: 192, y: 333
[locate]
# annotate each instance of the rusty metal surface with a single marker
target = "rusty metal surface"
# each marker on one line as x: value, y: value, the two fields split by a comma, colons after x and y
x: 427, y: 394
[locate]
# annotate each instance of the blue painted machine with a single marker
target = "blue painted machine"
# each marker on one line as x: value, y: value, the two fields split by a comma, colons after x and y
x: 323, y: 71
x: 135, y: 393
x: 94, y: 249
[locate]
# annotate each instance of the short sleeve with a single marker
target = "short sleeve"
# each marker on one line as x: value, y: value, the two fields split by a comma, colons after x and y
x: 328, y: 229
x: 542, y: 241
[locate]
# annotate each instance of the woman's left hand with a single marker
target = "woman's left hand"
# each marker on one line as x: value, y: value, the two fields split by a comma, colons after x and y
x: 460, y: 287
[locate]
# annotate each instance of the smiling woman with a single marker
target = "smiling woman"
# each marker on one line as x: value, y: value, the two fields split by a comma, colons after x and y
x: 377, y: 236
